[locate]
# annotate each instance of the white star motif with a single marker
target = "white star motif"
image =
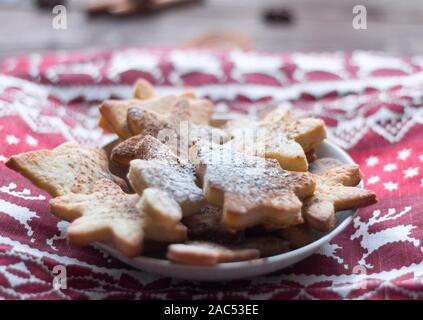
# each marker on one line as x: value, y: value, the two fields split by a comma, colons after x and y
x: 421, y: 157
x: 390, y: 167
x: 411, y: 172
x: 2, y: 158
x: 373, y: 180
x: 371, y: 161
x: 11, y: 139
x: 31, y: 140
x: 404, y: 154
x: 390, y: 186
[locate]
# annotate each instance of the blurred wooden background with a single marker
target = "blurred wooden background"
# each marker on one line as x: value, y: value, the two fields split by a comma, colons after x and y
x: 319, y: 25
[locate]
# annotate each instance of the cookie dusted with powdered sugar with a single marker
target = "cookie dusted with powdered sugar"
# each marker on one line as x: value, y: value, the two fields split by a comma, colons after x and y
x: 160, y: 168
x: 175, y: 128
x: 251, y: 190
x: 278, y: 137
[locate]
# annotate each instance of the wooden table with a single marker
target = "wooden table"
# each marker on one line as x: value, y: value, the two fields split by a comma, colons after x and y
x: 320, y: 25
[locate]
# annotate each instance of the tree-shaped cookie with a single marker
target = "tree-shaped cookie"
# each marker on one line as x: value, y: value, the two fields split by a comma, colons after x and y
x: 160, y: 168
x: 110, y: 215
x: 278, y: 137
x: 335, y: 191
x: 65, y: 169
x: 175, y: 128
x: 252, y: 190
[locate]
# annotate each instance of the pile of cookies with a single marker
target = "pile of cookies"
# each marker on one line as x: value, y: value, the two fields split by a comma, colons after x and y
x: 198, y: 194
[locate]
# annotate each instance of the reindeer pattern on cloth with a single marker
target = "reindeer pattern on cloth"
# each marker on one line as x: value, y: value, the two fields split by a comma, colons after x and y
x: 370, y: 101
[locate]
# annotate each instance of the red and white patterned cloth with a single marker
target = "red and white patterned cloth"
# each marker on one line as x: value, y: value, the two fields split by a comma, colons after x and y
x: 372, y: 105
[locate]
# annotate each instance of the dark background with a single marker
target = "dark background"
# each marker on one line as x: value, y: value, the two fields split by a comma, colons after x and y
x: 319, y: 25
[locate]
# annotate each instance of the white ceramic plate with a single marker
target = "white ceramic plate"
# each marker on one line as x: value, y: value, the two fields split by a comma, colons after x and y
x: 244, y: 269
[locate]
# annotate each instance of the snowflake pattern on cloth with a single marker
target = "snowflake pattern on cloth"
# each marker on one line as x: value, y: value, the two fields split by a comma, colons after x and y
x: 371, y: 103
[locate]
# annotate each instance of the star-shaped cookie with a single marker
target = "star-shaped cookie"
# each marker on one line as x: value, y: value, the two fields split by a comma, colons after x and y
x: 114, y: 112
x: 252, y: 190
x: 142, y: 90
x: 160, y: 168
x: 65, y: 169
x: 174, y: 128
x: 335, y: 191
x: 278, y: 137
x: 109, y: 214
